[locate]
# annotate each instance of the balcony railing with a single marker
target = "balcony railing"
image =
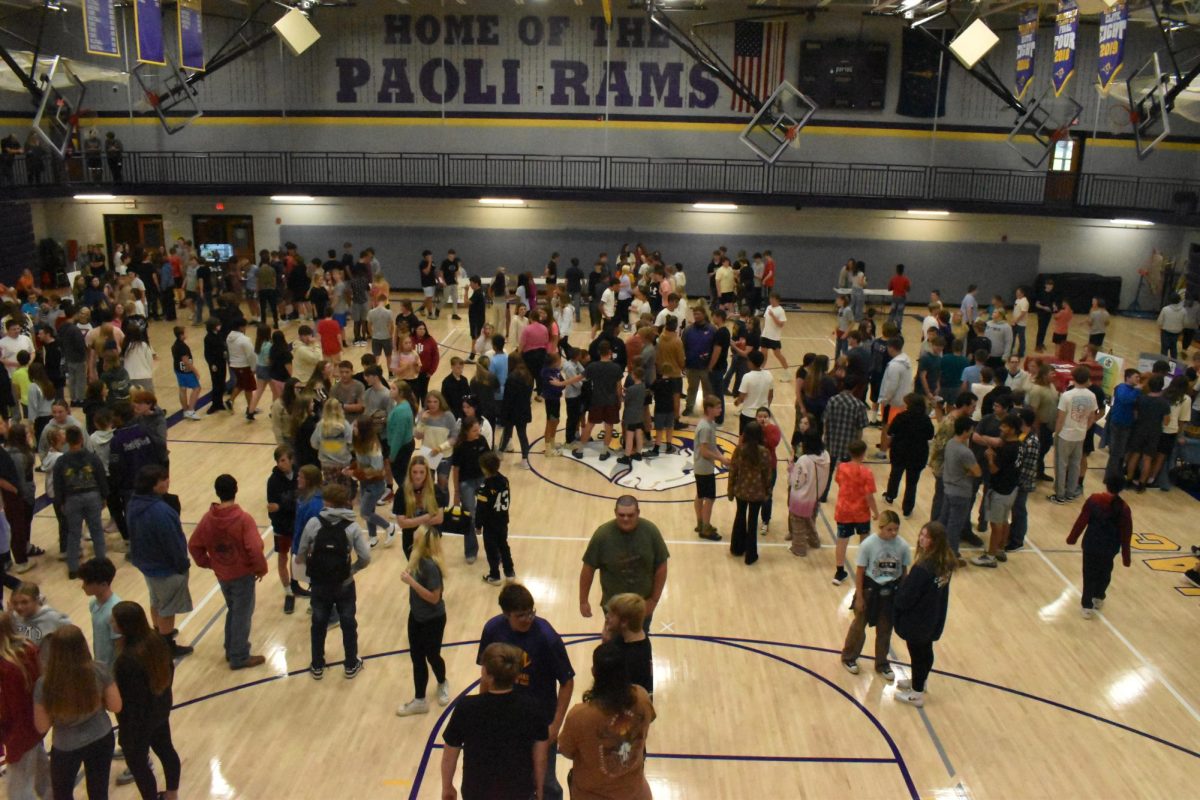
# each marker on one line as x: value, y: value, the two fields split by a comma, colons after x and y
x: 626, y: 177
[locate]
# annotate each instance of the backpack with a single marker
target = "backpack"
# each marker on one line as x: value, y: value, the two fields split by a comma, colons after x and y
x: 329, y: 561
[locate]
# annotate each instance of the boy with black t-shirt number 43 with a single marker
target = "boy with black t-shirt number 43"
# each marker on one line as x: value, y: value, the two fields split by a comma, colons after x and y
x: 492, y: 503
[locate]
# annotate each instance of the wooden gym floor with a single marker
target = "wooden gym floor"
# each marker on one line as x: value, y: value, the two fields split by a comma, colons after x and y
x: 1028, y: 700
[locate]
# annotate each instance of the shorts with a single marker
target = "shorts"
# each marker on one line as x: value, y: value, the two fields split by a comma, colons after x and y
x: 769, y: 344
x: 262, y: 372
x: 243, y: 378
x: 676, y: 385
x: 187, y: 380
x: 706, y: 487
x: 428, y: 290
x: 1096, y: 339
x: 170, y: 595
x: 1000, y: 506
x: 553, y: 408
x: 358, y: 312
x: 340, y: 317
x: 846, y: 530
x: 1089, y: 440
x: 1058, y: 338
x: 726, y: 298
x: 1166, y: 443
x: 283, y: 544
x: 664, y: 420
x: 609, y: 415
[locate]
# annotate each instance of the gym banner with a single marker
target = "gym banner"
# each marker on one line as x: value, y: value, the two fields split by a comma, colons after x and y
x: 1066, y: 29
x: 1112, y: 43
x: 100, y: 28
x: 1027, y: 25
x: 191, y: 35
x: 147, y: 22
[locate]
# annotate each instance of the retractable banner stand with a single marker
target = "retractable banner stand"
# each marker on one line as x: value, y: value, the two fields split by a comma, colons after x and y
x: 147, y: 21
x: 100, y: 27
x: 191, y: 36
x: 1112, y: 44
x: 1027, y: 25
x: 1066, y: 31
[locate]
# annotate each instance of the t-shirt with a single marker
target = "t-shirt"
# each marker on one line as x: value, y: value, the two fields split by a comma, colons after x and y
x: 379, y: 319
x: 491, y: 504
x: 104, y: 638
x: 756, y: 385
x: 546, y: 662
x: 635, y: 405
x: 951, y: 368
x: 899, y: 284
x: 884, y: 560
x: 331, y: 336
x: 855, y: 483
x: 929, y: 365
x: 73, y: 734
x: 430, y: 577
x: 957, y: 460
x: 496, y: 733
x: 706, y: 433
x: 1079, y: 404
x: 180, y: 351
x: 608, y: 751
x: 639, y: 661
x: 349, y: 393
x: 1151, y: 409
x: 603, y: 377
x: 626, y: 561
x: 774, y: 318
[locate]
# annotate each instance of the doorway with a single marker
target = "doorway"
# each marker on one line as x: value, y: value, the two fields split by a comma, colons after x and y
x: 139, y: 231
x: 235, y: 230
x: 1066, y: 161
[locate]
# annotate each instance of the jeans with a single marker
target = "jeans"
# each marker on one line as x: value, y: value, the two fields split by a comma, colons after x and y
x: 466, y: 497
x: 744, y: 540
x: 1018, y: 347
x: 1020, y: 519
x: 1118, y: 441
x: 1066, y: 466
x: 77, y: 380
x: 268, y: 297
x: 79, y: 508
x: 29, y: 776
x: 769, y: 504
x: 522, y: 437
x: 324, y: 600
x: 96, y: 759
x: 198, y: 309
x: 911, y: 474
x: 1097, y: 574
x: 137, y: 744
x: 939, y: 497
x: 896, y: 312
x: 920, y: 654
x: 956, y: 518
x: 576, y: 303
x: 370, y: 493
x: 551, y: 789
x: 217, y: 374
x: 425, y: 645
x: 1043, y: 324
x: 1168, y: 344
x: 574, y: 412
x: 239, y: 597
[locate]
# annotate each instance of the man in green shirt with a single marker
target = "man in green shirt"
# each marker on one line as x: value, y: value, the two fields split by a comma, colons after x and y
x: 631, y: 556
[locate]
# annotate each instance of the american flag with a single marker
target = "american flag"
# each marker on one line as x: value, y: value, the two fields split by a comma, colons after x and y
x: 758, y: 58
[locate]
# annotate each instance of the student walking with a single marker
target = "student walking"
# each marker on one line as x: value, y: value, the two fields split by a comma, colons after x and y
x: 492, y: 503
x: 623, y: 625
x: 882, y: 562
x: 159, y: 550
x: 909, y: 434
x: 214, y: 356
x: 921, y: 604
x: 516, y: 407
x: 749, y: 480
x: 80, y: 486
x: 855, y: 505
x: 369, y: 472
x: 426, y: 620
x: 1107, y: 527
x: 281, y: 511
x: 807, y: 477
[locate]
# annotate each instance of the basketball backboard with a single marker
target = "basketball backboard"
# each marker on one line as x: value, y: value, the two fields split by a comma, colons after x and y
x: 168, y: 94
x: 57, y: 111
x: 778, y: 123
x: 1147, y: 89
x: 1045, y: 122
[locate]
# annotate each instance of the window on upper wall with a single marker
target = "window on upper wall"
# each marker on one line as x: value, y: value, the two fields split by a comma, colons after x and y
x: 1064, y: 152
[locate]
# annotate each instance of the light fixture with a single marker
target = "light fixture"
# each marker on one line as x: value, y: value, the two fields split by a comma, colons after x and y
x: 1137, y: 223
x: 95, y: 197
x: 292, y: 198
x: 714, y: 206
x: 501, y: 201
x: 928, y: 212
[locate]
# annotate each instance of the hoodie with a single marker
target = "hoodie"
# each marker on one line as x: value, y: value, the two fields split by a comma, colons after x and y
x: 227, y: 542
x: 155, y: 424
x: 157, y: 545
x: 354, y: 534
x: 897, y: 381
x: 17, y: 732
x: 100, y: 443
x: 45, y: 621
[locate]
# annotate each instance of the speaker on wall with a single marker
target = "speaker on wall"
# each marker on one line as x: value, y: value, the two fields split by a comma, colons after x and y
x: 296, y: 31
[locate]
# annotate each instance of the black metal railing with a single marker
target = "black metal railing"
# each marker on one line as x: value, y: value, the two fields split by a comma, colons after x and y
x: 629, y: 176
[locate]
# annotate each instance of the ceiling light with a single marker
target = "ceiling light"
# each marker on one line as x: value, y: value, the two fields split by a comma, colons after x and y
x: 95, y: 197
x: 292, y: 198
x: 1141, y: 223
x: 714, y: 206
x: 501, y: 201
x: 928, y: 212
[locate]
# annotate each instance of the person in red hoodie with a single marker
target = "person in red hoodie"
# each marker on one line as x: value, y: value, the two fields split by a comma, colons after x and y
x: 427, y: 350
x: 227, y: 542
x: 28, y: 765
x: 1109, y: 530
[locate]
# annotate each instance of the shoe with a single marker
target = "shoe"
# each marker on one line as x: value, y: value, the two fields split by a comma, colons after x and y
x: 886, y: 671
x: 443, y: 694
x: 912, y: 698
x: 374, y: 540
x: 1088, y: 613
x: 1062, y: 501
x: 125, y: 778
x: 880, y: 456
x: 494, y: 580
x: 1140, y: 488
x: 578, y: 454
x: 454, y: 316
x: 180, y: 650
x: 316, y: 672
x: 839, y: 576
x: 213, y: 409
x: 636, y: 456
x: 971, y: 539
x: 1097, y: 603
x: 387, y: 498
x: 34, y: 550
x: 355, y: 668
x: 289, y: 604
x: 1193, y: 575
x: 625, y: 461
x: 525, y: 464
x: 960, y: 561
x: 851, y: 667
x: 710, y: 534
x: 889, y: 499
x: 412, y: 708
x: 22, y: 568
x: 763, y: 529
x: 471, y: 559
x: 904, y: 684
x: 606, y: 454
x: 1014, y: 548
x: 390, y: 538
x: 1002, y: 557
x: 252, y: 661
x: 984, y: 561
x: 72, y: 576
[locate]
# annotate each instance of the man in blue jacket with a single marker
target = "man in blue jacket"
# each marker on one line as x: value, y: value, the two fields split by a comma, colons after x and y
x: 158, y: 548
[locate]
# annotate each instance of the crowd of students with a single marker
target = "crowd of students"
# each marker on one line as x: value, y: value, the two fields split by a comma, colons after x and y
x: 354, y: 437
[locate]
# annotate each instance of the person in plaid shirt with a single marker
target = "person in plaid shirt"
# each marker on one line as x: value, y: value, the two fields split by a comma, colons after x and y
x: 845, y: 417
x: 1027, y: 465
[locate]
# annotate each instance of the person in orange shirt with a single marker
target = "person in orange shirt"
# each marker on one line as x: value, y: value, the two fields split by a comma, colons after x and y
x: 1062, y: 322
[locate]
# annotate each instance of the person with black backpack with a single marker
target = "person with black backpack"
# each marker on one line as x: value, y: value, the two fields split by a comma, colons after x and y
x: 325, y: 547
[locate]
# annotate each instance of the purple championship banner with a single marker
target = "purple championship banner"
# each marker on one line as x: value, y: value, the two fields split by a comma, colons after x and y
x: 1027, y: 25
x: 100, y: 28
x: 147, y: 22
x: 191, y: 35
x: 1112, y: 43
x: 1066, y: 30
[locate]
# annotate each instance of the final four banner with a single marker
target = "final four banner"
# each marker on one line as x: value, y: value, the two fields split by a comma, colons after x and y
x: 1027, y: 25
x: 191, y: 35
x: 100, y: 27
x: 1112, y: 43
x: 1066, y: 30
x: 147, y: 22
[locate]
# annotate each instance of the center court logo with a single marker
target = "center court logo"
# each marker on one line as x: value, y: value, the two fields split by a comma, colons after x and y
x: 653, y: 473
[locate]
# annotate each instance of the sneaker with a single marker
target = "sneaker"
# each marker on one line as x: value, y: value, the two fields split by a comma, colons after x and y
x: 985, y: 560
x: 1062, y: 501
x: 252, y: 661
x: 710, y: 533
x: 525, y: 464
x: 1097, y: 603
x: 471, y: 559
x: 20, y: 568
x: 1002, y: 556
x: 374, y: 540
x: 387, y: 498
x: 912, y: 698
x: 412, y: 708
x: 289, y: 604
x: 456, y: 317
x: 1088, y: 613
x: 625, y: 461
x: 354, y: 669
x: 494, y: 580
x: 443, y: 694
x: 316, y: 672
x: 763, y: 529
x: 1193, y: 575
x: 839, y: 576
x: 179, y: 650
x: 578, y: 454
x: 125, y: 778
x: 606, y: 454
x: 1014, y: 548
x: 970, y: 538
x: 390, y: 538
x: 886, y: 672
x: 880, y: 455
x: 903, y: 684
x: 889, y: 499
x: 851, y: 667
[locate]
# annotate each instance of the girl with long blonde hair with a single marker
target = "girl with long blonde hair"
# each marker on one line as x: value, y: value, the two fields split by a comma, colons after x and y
x: 332, y: 438
x: 28, y: 765
x: 418, y: 503
x: 426, y: 619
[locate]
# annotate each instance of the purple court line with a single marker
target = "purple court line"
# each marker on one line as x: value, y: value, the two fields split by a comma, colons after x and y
x: 760, y: 759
